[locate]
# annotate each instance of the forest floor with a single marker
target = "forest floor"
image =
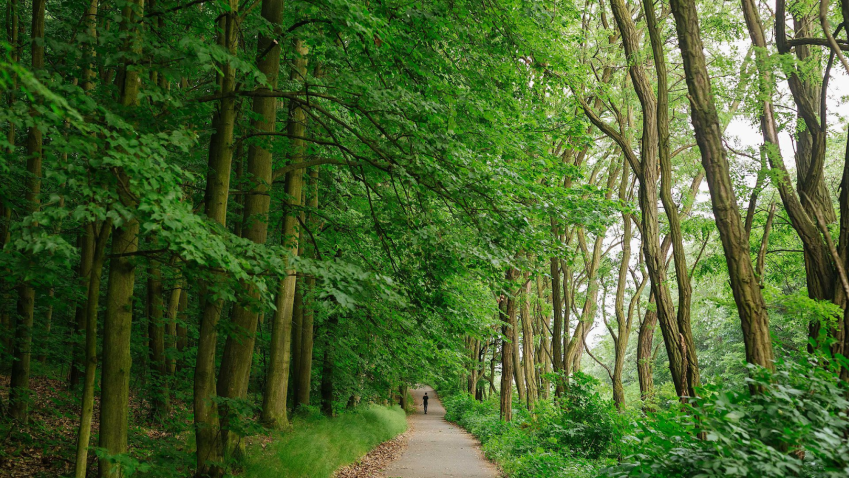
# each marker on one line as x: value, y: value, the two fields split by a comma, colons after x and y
x: 439, y: 448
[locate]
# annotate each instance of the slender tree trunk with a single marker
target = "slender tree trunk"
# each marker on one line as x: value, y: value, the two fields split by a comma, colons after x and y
x: 761, y: 263
x: 557, y: 328
x: 87, y: 238
x: 623, y: 322
x: 506, y: 309
x: 744, y: 284
x: 156, y: 331
x: 682, y: 276
x: 77, y: 371
x: 305, y: 363
x: 274, y: 398
x: 297, y: 328
x: 528, y: 348
x: 307, y: 324
x: 576, y: 344
x: 98, y: 246
x: 327, y: 367
x: 182, y: 330
x: 207, y: 425
x: 645, y: 366
x: 19, y: 389
x: 171, y: 313
x: 518, y: 370
x: 117, y: 323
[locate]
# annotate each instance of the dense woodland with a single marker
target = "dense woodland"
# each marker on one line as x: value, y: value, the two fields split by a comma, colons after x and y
x: 624, y: 224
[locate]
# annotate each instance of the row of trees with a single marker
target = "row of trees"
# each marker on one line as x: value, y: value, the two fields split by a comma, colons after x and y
x: 218, y: 209
x: 621, y: 83
x: 233, y: 210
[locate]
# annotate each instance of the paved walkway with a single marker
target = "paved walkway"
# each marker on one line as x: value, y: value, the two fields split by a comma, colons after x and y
x: 437, y: 448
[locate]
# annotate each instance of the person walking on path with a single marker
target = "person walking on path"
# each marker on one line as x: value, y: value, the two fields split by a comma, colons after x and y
x: 437, y: 448
x: 424, y: 401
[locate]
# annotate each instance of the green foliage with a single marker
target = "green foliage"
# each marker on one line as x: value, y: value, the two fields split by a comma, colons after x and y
x: 319, y: 445
x: 574, y: 436
x: 795, y: 425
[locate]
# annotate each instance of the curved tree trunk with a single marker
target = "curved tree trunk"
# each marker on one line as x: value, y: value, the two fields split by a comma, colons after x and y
x: 735, y: 242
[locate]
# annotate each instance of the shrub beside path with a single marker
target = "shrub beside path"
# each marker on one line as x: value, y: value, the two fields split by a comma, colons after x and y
x: 439, y: 448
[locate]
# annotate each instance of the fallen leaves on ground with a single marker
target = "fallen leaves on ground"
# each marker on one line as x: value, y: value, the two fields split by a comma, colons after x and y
x: 372, y: 465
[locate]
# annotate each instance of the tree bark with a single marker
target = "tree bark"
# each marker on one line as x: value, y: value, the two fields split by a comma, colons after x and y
x: 207, y: 425
x: 274, y: 399
x: 98, y: 246
x: 747, y: 294
x: 307, y: 324
x: 506, y: 307
x: 528, y: 349
x: 19, y: 389
x: 156, y: 331
x: 117, y: 322
x: 327, y: 367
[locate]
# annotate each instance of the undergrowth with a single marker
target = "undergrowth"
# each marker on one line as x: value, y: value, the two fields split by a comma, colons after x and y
x: 575, y: 438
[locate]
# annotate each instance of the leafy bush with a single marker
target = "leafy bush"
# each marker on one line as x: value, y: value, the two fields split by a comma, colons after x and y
x: 572, y: 437
x: 795, y: 426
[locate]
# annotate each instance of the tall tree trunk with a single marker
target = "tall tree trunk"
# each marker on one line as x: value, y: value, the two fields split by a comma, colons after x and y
x: 117, y: 322
x: 19, y: 390
x: 77, y: 372
x: 646, y: 168
x: 88, y: 237
x: 744, y: 284
x: 182, y: 329
x: 682, y: 277
x: 98, y: 246
x: 528, y: 348
x: 238, y: 350
x: 645, y: 365
x: 557, y: 328
x: 307, y: 323
x: 623, y: 322
x: 207, y: 425
x: 274, y: 398
x: 327, y: 366
x: 172, y: 315
x: 156, y: 331
x: 506, y: 309
x: 820, y: 271
x: 297, y: 327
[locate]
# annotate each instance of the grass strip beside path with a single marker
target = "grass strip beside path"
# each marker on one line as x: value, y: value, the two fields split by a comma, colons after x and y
x: 318, y: 446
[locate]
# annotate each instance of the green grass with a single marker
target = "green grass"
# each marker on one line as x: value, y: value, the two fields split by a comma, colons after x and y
x: 317, y: 446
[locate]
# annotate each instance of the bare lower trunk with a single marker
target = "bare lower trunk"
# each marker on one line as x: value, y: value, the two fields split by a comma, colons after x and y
x: 98, y: 245
x: 518, y: 370
x: 528, y: 349
x: 274, y: 399
x: 117, y: 326
x: 645, y: 366
x: 156, y: 331
x: 210, y: 453
x: 307, y: 324
x: 506, y: 308
x: 327, y: 393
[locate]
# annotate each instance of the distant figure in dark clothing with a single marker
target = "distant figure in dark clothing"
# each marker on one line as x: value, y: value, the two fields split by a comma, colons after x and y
x: 424, y: 401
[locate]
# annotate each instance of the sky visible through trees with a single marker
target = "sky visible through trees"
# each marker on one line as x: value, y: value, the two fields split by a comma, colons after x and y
x: 613, y: 234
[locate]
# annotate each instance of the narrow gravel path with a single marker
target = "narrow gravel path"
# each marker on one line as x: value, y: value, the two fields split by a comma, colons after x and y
x: 437, y: 448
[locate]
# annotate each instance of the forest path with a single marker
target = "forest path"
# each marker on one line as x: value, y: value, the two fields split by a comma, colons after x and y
x: 437, y: 448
